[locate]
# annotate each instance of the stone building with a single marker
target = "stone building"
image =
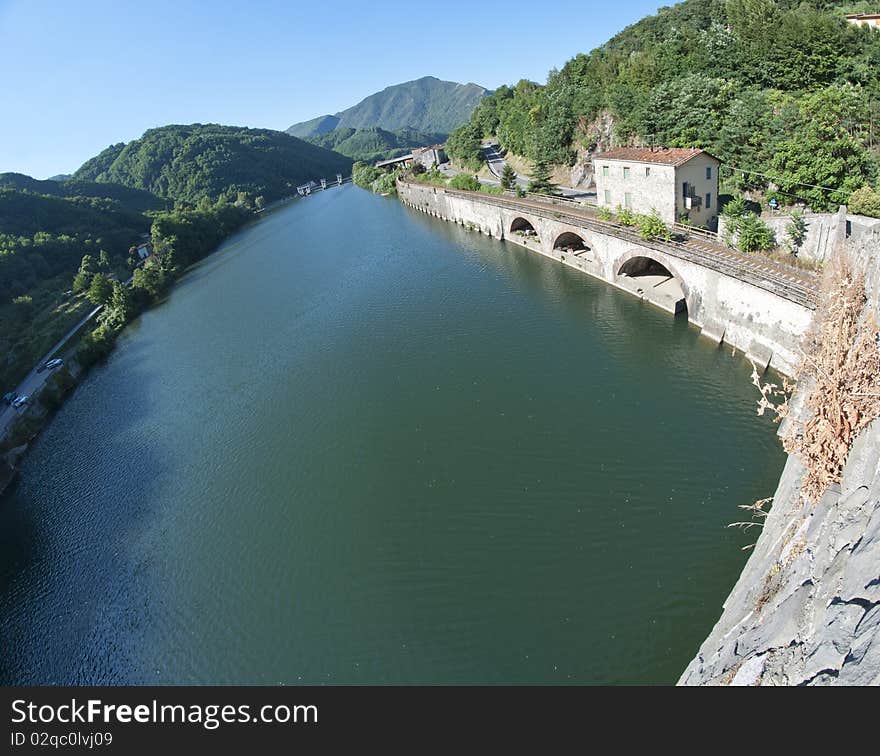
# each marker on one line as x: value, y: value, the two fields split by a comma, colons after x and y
x: 677, y: 183
x: 430, y: 156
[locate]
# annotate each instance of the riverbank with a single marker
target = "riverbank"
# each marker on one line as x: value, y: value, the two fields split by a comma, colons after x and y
x: 150, y: 284
x: 806, y: 608
x: 758, y: 308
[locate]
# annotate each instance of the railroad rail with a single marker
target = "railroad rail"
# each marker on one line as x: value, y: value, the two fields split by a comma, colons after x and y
x: 799, y: 286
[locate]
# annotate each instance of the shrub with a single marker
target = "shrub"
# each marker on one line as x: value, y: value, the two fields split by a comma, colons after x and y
x: 626, y: 217
x: 865, y: 201
x: 735, y: 208
x: 755, y: 235
x: 465, y: 182
x: 651, y: 226
x: 605, y: 214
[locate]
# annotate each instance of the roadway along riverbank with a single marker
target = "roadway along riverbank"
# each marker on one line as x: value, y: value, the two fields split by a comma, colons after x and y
x: 35, y: 380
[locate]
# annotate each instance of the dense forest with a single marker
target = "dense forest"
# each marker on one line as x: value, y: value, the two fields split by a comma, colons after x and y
x: 46, y: 229
x: 786, y: 94
x: 371, y: 144
x: 428, y: 105
x: 188, y: 163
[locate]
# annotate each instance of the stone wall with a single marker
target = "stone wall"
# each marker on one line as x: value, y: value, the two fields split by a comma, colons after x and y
x: 823, y: 232
x: 806, y: 609
x: 756, y: 321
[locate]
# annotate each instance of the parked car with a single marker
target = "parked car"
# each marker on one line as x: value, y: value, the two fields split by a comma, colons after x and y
x: 21, y: 401
x: 52, y: 364
x: 10, y: 397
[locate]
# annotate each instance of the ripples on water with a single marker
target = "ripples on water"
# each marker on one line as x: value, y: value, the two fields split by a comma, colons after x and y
x: 360, y: 445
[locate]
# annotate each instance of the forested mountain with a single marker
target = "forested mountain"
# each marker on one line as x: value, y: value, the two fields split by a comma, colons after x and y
x: 428, y: 105
x: 369, y: 145
x: 189, y: 163
x: 787, y: 89
x: 136, y: 200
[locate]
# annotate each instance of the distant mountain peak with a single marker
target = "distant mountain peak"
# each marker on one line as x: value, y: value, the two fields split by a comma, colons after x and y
x: 427, y: 104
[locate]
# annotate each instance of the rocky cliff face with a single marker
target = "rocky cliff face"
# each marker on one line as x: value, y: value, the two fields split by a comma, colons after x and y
x: 806, y: 609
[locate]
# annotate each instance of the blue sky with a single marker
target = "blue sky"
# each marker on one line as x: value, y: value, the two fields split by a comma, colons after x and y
x: 78, y: 76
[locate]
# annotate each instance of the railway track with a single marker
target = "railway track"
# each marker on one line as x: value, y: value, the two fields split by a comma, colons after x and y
x: 788, y: 282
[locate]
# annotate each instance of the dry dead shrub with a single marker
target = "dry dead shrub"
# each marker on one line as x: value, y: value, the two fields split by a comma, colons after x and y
x: 841, y: 360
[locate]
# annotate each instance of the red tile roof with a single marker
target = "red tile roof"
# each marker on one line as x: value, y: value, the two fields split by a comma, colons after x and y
x: 663, y: 156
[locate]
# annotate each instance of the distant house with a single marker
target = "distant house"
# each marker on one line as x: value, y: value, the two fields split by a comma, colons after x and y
x: 429, y: 156
x: 864, y: 19
x: 426, y: 156
x: 144, y: 250
x: 677, y: 183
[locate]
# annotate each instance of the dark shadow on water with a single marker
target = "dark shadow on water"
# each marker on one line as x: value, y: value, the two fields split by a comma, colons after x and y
x: 57, y: 531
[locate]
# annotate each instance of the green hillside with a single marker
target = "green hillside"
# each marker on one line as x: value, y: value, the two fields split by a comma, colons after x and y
x: 786, y: 89
x: 189, y: 163
x: 371, y: 144
x: 314, y: 127
x: 136, y: 200
x: 427, y: 105
x: 43, y: 239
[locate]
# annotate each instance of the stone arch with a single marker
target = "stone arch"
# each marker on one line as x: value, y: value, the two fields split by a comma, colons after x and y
x: 652, y: 275
x: 523, y: 227
x: 569, y: 241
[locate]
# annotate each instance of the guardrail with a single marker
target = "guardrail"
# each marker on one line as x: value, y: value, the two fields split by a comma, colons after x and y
x: 702, y: 233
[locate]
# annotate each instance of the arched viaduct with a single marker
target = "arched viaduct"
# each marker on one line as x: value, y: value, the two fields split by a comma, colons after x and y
x: 762, y: 311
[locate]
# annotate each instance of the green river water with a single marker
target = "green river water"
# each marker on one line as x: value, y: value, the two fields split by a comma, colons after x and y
x: 359, y: 445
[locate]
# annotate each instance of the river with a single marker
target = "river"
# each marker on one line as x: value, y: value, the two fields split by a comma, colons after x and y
x: 361, y: 445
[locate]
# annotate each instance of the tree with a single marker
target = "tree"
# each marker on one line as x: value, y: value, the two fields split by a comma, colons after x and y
x: 464, y: 145
x: 120, y: 308
x: 508, y: 178
x: 796, y: 231
x: 103, y: 261
x: 87, y: 270
x: 100, y: 290
x: 149, y: 280
x: 81, y: 281
x: 823, y: 161
x: 541, y: 182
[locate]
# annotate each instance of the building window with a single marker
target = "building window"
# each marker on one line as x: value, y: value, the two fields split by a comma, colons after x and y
x: 628, y: 199
x: 708, y: 173
x: 647, y: 172
x: 607, y: 197
x: 685, y: 190
x: 605, y: 171
x: 708, y: 201
x: 626, y: 172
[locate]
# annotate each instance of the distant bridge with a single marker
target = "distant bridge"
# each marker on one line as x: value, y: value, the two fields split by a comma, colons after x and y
x: 760, y: 307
